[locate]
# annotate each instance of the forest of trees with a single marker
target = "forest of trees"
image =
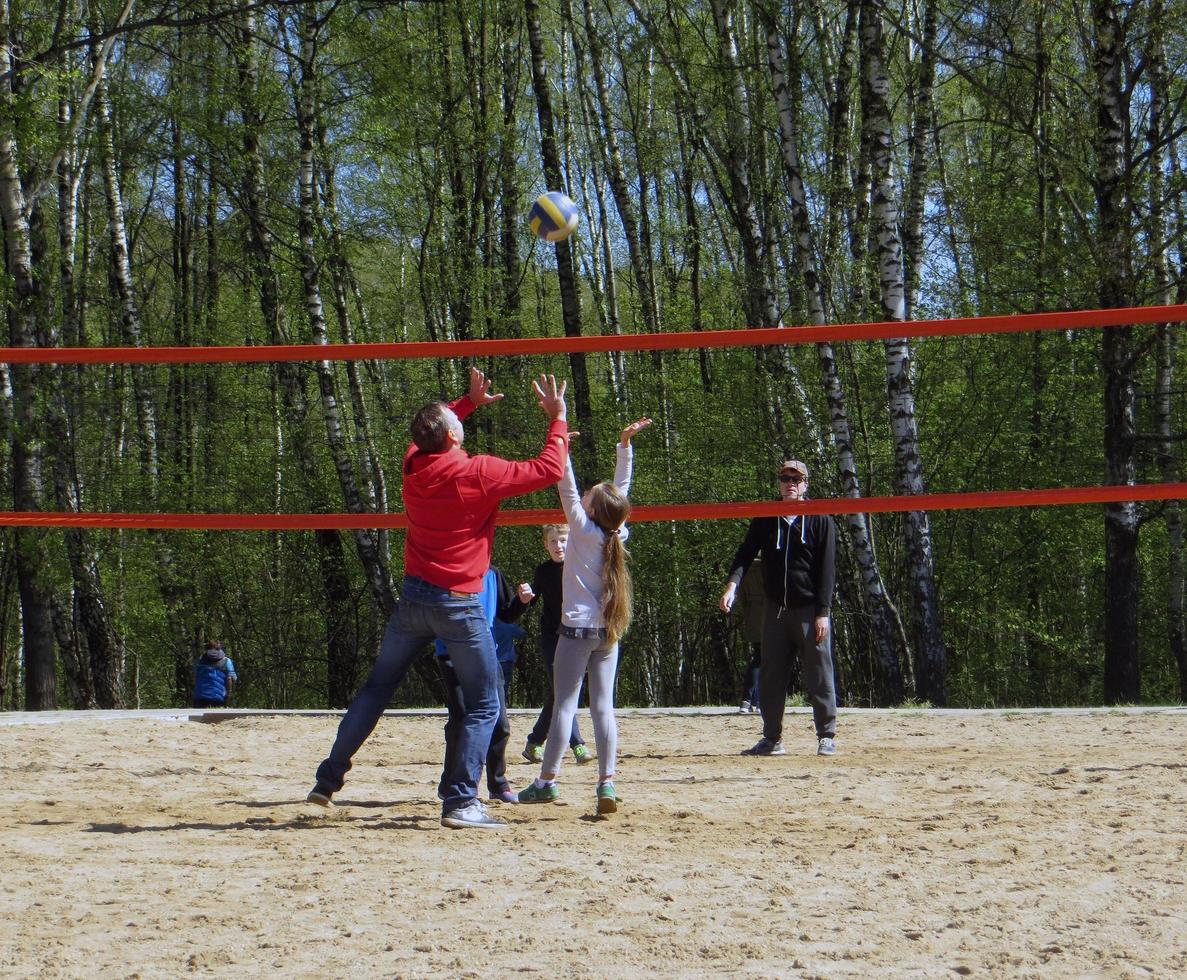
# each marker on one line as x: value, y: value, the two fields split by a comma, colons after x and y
x: 227, y: 172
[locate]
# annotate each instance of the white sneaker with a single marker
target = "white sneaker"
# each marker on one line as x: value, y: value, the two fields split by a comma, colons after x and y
x: 744, y: 708
x: 826, y: 746
x: 471, y: 816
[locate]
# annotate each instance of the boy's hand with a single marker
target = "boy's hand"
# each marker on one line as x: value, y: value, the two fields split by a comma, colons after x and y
x: 480, y: 389
x: 633, y: 429
x: 552, y: 396
x: 525, y: 593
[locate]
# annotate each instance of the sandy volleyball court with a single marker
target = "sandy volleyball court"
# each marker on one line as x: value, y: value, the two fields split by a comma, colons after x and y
x: 935, y: 843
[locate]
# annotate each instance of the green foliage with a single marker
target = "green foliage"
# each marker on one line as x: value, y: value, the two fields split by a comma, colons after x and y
x: 428, y: 137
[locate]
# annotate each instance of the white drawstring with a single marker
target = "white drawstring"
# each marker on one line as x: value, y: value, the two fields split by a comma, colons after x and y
x: 787, y: 552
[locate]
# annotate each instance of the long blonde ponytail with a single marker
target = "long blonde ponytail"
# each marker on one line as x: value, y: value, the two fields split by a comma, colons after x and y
x: 609, y: 508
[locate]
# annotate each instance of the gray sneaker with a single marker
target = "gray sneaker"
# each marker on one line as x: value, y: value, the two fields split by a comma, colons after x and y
x: 764, y: 746
x: 472, y: 816
x: 826, y: 746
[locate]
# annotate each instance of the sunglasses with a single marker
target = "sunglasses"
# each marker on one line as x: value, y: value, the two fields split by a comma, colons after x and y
x: 790, y: 478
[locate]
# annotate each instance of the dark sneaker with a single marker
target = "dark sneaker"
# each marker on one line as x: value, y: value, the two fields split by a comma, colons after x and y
x: 472, y: 816
x: 826, y: 746
x: 607, y: 798
x: 507, y: 795
x: 540, y: 794
x: 533, y: 753
x: 320, y: 796
x: 582, y: 754
x: 765, y: 746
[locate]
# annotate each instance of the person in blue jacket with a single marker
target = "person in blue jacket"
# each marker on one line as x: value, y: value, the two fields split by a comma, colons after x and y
x: 506, y: 636
x: 214, y: 677
x: 499, y: 603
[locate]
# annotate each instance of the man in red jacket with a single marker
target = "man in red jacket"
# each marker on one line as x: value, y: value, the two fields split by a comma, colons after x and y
x: 451, y: 499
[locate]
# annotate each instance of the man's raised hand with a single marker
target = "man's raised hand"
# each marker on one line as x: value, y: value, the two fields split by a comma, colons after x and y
x: 480, y: 389
x: 552, y: 396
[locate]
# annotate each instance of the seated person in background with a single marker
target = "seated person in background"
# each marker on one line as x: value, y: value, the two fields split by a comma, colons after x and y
x: 214, y: 677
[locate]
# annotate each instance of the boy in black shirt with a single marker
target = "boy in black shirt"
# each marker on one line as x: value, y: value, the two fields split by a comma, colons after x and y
x: 546, y: 585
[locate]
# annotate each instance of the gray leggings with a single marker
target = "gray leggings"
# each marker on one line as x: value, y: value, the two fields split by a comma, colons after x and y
x: 573, y: 658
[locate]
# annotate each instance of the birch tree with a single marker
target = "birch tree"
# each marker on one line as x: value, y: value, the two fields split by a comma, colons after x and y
x: 930, y: 650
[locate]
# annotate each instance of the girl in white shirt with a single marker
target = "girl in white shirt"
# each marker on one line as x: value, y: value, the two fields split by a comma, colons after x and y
x: 595, y: 614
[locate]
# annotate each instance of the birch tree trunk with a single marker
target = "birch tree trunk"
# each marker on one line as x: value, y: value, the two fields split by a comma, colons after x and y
x: 121, y: 267
x: 923, y: 115
x: 1122, y: 666
x: 930, y: 650
x: 616, y: 171
x: 24, y: 300
x: 887, y: 664
x: 100, y: 647
x: 1162, y: 146
x: 292, y: 422
x: 306, y: 107
x: 342, y: 276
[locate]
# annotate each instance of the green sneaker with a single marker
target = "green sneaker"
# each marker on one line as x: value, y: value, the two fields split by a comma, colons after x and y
x: 607, y: 799
x: 533, y: 753
x: 540, y: 794
x: 582, y: 754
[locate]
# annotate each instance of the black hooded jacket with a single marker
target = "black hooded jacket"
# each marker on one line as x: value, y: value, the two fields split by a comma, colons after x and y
x: 798, y: 559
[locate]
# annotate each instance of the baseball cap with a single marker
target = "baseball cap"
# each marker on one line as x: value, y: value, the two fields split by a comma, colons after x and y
x: 795, y: 466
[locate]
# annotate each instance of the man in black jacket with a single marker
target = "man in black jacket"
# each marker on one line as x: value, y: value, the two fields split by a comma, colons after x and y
x: 798, y: 569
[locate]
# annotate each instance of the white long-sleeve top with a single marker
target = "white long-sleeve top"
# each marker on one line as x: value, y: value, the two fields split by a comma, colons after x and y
x: 582, y: 576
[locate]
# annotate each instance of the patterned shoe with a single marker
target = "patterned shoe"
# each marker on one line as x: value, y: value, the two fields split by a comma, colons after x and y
x: 582, y: 754
x: 540, y: 794
x: 826, y: 746
x: 607, y: 799
x: 533, y: 752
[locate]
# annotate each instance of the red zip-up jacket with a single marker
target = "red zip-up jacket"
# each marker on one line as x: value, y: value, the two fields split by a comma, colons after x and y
x: 451, y: 499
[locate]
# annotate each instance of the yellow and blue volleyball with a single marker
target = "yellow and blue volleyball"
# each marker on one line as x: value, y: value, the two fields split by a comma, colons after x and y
x: 553, y: 217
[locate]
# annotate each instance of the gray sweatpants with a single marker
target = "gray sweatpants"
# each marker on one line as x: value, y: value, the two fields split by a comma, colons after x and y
x: 573, y: 658
x: 788, y: 633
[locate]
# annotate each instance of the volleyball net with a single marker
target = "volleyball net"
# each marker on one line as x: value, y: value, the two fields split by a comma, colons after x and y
x: 239, y: 441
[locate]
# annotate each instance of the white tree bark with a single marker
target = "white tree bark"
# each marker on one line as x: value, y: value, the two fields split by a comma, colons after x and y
x: 877, y: 604
x: 930, y: 650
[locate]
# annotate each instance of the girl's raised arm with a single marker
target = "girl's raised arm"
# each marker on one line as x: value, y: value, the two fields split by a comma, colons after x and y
x: 571, y: 499
x: 624, y: 461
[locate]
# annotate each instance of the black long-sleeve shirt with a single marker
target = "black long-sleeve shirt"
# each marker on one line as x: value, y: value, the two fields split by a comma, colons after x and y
x: 547, y: 584
x: 798, y: 559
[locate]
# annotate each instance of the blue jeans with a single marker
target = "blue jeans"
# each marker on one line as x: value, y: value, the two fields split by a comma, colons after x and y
x: 424, y: 613
x: 496, y: 755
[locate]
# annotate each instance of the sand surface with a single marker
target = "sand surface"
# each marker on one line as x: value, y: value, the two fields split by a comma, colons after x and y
x: 933, y: 844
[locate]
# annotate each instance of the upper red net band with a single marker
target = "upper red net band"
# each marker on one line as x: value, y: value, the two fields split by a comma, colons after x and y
x: 834, y: 333
x: 767, y: 336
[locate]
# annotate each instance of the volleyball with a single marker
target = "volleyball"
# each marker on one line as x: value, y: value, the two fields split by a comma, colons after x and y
x: 553, y: 217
